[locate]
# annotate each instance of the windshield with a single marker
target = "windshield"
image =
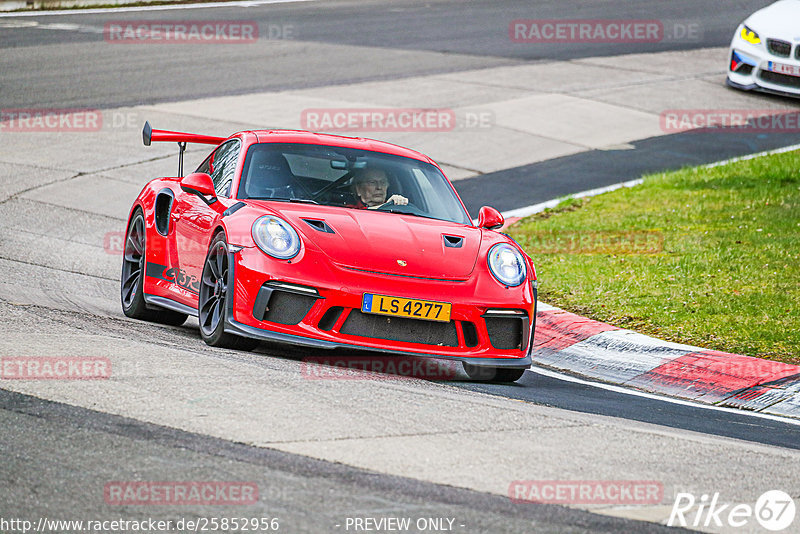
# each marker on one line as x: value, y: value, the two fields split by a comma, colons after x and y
x: 348, y: 178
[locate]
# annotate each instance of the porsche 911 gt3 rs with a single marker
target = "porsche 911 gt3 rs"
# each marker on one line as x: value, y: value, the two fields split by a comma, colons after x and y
x: 267, y: 240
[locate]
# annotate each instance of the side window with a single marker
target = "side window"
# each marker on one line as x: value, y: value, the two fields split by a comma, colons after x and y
x: 223, y: 166
x: 206, y: 165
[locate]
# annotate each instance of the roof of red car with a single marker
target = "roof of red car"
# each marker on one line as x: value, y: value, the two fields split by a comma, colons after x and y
x: 302, y: 136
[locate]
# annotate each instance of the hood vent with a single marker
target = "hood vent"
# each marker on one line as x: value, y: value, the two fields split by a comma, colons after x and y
x: 453, y: 241
x: 320, y: 226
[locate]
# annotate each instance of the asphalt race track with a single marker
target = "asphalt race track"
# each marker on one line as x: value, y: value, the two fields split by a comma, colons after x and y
x: 323, y: 452
x: 336, y: 42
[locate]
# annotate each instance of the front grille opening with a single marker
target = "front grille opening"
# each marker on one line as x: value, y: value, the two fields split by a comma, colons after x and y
x: 470, y: 334
x: 400, y: 329
x: 779, y: 48
x: 505, y: 332
x: 745, y: 69
x: 330, y: 318
x: 284, y: 307
x: 780, y: 79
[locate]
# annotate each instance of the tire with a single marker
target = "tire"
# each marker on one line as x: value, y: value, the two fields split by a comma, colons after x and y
x: 495, y: 375
x: 132, y: 279
x: 213, y: 300
x: 508, y: 375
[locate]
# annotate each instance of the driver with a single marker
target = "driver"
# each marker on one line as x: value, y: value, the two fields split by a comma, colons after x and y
x: 370, y: 185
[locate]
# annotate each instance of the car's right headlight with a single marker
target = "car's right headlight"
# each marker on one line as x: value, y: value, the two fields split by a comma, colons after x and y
x: 276, y: 237
x: 749, y: 35
x: 507, y: 265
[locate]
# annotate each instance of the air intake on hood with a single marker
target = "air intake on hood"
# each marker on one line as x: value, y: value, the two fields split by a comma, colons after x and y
x: 453, y: 241
x: 320, y: 226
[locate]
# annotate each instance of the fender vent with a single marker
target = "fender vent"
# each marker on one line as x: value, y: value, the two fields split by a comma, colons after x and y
x: 163, y: 209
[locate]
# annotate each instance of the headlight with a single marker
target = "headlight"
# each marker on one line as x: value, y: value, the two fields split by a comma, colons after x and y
x: 276, y: 237
x: 507, y: 264
x: 749, y: 35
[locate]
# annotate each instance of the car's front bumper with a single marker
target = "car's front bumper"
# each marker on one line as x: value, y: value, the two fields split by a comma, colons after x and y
x: 752, y: 67
x: 316, y: 304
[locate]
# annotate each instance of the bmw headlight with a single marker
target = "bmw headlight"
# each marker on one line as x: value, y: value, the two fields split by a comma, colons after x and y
x: 276, y: 237
x: 749, y: 35
x: 507, y: 264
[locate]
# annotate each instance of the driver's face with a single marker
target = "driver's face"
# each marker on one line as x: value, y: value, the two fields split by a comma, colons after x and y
x: 372, y: 188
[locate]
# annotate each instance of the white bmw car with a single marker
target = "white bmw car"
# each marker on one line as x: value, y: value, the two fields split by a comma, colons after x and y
x: 765, y: 51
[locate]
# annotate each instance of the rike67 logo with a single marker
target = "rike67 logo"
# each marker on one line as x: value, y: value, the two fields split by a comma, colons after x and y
x: 774, y: 510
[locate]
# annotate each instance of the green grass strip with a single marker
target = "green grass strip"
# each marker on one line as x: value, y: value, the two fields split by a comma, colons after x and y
x: 704, y: 256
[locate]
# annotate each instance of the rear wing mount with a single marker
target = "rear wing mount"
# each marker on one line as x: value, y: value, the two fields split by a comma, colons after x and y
x: 149, y: 135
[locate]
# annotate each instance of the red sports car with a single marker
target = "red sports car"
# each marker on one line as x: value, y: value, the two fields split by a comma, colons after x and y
x: 328, y: 242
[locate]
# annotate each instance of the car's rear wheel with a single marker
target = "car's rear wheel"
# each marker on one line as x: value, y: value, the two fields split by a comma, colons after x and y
x: 495, y: 375
x: 132, y: 280
x: 213, y: 299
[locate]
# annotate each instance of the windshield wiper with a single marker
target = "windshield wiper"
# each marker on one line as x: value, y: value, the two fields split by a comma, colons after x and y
x: 298, y: 200
x: 409, y: 213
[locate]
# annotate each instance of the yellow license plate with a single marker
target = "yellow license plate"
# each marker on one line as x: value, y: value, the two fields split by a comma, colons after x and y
x: 401, y: 307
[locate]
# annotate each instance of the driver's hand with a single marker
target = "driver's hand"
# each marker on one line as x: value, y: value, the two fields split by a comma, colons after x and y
x: 398, y: 200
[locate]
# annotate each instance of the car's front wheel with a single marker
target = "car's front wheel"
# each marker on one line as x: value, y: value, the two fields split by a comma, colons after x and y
x: 213, y: 299
x: 495, y: 375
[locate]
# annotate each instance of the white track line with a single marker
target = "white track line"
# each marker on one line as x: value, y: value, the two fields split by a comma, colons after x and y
x: 536, y: 208
x: 637, y: 393
x: 753, y: 156
x: 245, y: 3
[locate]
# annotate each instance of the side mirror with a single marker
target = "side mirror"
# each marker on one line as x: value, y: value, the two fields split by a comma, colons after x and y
x: 200, y: 184
x: 490, y: 218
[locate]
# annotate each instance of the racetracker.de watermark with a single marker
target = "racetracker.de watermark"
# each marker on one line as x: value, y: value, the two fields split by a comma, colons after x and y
x: 114, y: 244
x: 596, y: 31
x: 50, y: 120
x: 378, y: 119
x: 730, y: 120
x: 210, y: 493
x: 377, y: 368
x: 54, y: 368
x: 181, y: 32
x: 79, y: 120
x: 565, y: 492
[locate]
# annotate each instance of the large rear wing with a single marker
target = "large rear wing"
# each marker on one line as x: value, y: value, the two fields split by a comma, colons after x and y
x: 149, y: 135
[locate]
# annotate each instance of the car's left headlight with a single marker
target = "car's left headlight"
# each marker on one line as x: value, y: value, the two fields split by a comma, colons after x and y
x: 276, y: 237
x: 507, y: 264
x: 749, y: 35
